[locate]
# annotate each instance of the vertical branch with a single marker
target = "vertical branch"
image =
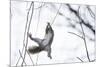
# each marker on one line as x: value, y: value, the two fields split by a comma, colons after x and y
x: 27, y: 29
x: 29, y: 55
x: 85, y: 42
x: 37, y: 29
x: 24, y: 33
x: 37, y: 58
x: 38, y: 19
x: 84, y: 37
x: 82, y: 22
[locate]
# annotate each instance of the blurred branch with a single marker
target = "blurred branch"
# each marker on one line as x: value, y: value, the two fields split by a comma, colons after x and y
x: 76, y: 34
x: 56, y: 14
x: 22, y: 57
x: 74, y: 25
x: 37, y: 28
x: 37, y: 58
x: 85, y: 42
x: 80, y: 59
x: 91, y: 12
x: 25, y: 33
x: 27, y: 28
x: 82, y: 21
x: 29, y: 55
x: 38, y: 20
x: 40, y: 6
x: 93, y: 60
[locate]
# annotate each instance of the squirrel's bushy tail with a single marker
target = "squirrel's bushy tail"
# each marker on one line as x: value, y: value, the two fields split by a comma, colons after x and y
x: 35, y: 49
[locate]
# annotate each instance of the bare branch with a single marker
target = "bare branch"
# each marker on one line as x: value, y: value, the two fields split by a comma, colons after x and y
x: 80, y: 59
x: 37, y: 58
x: 22, y: 57
x: 83, y: 22
x: 25, y: 32
x: 29, y: 55
x: 40, y: 6
x: 91, y: 12
x: 76, y: 34
x: 28, y: 27
x: 37, y: 29
x: 85, y: 42
x: 38, y: 20
x: 56, y: 14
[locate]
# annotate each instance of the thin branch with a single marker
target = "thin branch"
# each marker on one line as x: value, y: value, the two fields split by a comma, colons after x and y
x: 23, y: 65
x: 27, y: 22
x: 80, y: 59
x: 85, y: 42
x: 22, y: 57
x: 24, y: 33
x: 40, y: 6
x: 37, y: 58
x: 28, y: 27
x: 18, y: 61
x: 37, y: 29
x: 84, y: 37
x: 91, y: 12
x: 29, y: 55
x: 83, y: 22
x: 56, y: 14
x: 73, y: 25
x: 76, y: 34
x: 38, y: 20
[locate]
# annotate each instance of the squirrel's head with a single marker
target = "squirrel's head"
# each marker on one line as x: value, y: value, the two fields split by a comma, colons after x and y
x: 48, y: 28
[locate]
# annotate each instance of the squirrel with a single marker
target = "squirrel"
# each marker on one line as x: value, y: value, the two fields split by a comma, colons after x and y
x: 45, y: 43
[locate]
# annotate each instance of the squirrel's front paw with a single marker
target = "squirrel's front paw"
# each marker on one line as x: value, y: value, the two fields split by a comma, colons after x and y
x: 29, y: 34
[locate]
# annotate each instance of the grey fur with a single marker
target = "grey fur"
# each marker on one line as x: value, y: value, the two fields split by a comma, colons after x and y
x: 44, y: 44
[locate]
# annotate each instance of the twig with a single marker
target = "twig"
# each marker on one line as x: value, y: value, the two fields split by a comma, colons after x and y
x: 80, y: 59
x: 37, y: 29
x: 85, y: 42
x: 56, y: 14
x: 23, y: 65
x: 22, y: 57
x: 91, y: 12
x: 76, y: 34
x: 38, y: 20
x: 29, y: 55
x: 40, y: 6
x: 72, y: 25
x: 81, y: 22
x: 37, y: 58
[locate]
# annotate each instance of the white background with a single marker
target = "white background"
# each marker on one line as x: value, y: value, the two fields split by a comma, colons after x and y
x: 4, y: 33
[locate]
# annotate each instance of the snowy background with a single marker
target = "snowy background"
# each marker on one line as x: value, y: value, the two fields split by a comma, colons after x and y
x: 66, y: 47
